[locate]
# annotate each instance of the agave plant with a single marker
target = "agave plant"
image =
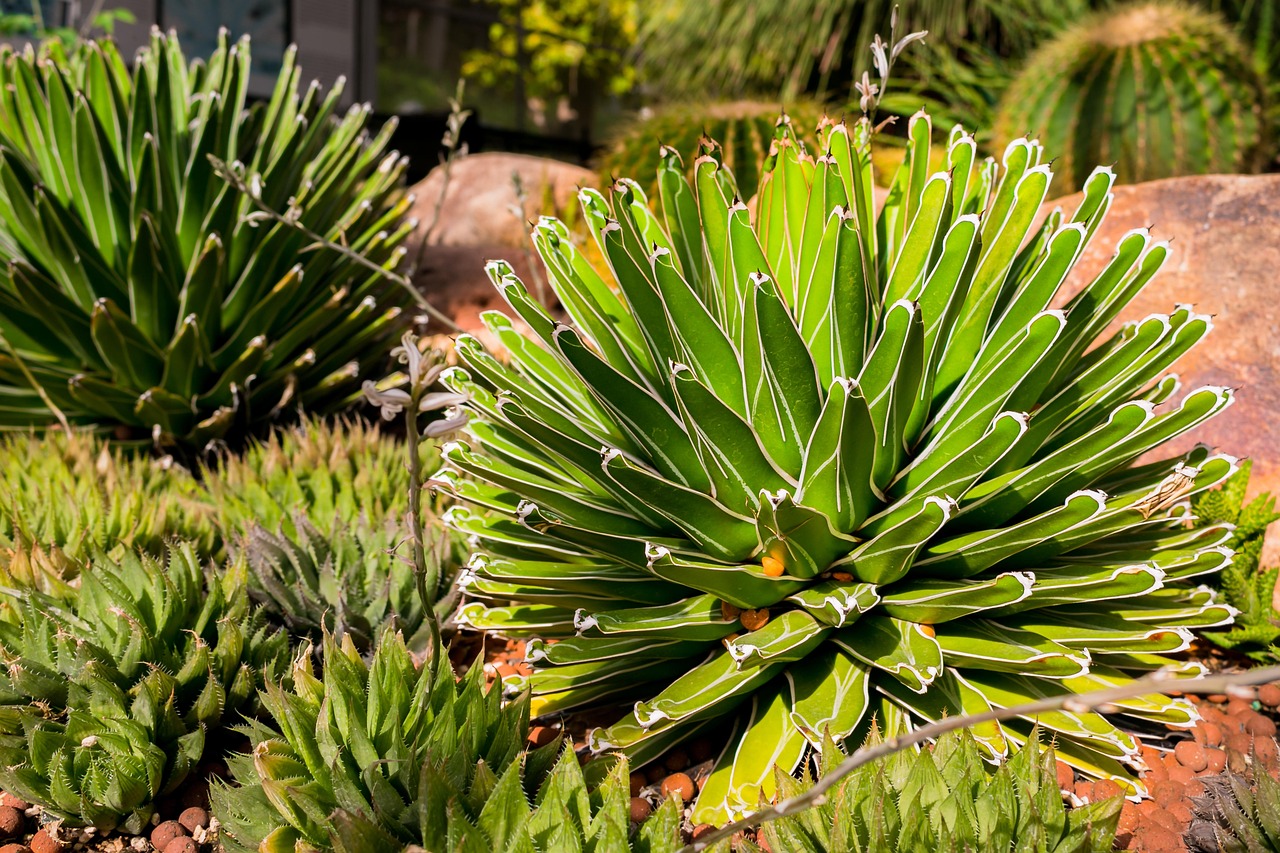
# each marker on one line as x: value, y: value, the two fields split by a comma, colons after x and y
x: 142, y: 289
x: 944, y: 798
x: 107, y: 697
x: 376, y: 755
x: 65, y: 497
x: 803, y: 458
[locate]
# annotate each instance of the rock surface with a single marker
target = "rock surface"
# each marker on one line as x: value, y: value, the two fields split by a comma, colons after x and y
x: 1225, y: 260
x: 452, y: 278
x: 479, y: 200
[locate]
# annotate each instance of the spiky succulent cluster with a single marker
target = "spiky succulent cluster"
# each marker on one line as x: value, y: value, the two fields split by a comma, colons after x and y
x: 142, y: 289
x: 107, y: 697
x: 944, y: 798
x: 334, y: 474
x: 1236, y: 815
x: 65, y: 497
x: 382, y: 751
x: 805, y: 457
x: 1246, y: 584
x: 355, y: 582
x: 1156, y: 88
x: 319, y: 512
x: 742, y: 131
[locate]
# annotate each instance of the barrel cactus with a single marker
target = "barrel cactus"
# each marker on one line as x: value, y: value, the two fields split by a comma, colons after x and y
x: 822, y: 466
x: 744, y: 131
x: 1157, y: 88
x: 140, y: 289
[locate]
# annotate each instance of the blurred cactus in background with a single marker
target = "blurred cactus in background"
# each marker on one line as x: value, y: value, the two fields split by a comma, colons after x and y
x: 1158, y: 89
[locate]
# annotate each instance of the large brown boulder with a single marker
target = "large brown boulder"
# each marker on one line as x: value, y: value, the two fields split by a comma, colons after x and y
x: 481, y: 207
x: 453, y: 279
x: 1224, y: 232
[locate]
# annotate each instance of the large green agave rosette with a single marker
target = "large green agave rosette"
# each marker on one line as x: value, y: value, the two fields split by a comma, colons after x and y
x: 794, y: 469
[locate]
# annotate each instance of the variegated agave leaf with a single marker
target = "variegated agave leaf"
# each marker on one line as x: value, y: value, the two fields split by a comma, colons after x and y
x: 790, y: 459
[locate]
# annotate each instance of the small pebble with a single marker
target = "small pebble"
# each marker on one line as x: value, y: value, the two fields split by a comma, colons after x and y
x: 1217, y: 698
x: 541, y: 736
x: 7, y: 799
x: 1258, y: 725
x: 1084, y: 790
x: 638, y: 781
x: 1155, y: 838
x: 702, y: 829
x: 1128, y: 817
x: 45, y: 842
x: 1216, y: 760
x: 1239, y: 709
x: 754, y: 620
x: 1212, y: 733
x: 1164, y: 818
x: 1191, y: 755
x: 166, y: 832
x: 678, y: 783
x: 15, y: 848
x: 181, y: 845
x: 1269, y: 695
x: 1181, y: 774
x: 1266, y: 751
x: 1238, y: 741
x: 640, y: 809
x: 1166, y: 793
x: 193, y: 818
x: 1105, y: 789
x: 677, y: 759
x: 1066, y: 776
x: 11, y: 821
x: 656, y: 773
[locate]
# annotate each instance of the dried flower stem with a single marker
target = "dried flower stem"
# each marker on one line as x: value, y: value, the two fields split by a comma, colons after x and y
x: 1155, y: 683
x: 451, y: 142
x: 424, y: 573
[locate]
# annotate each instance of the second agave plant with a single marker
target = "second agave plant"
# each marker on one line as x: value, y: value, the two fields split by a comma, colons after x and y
x: 140, y: 291
x: 809, y: 462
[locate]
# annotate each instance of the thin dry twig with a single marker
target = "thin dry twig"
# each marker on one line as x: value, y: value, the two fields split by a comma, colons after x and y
x: 1157, y: 682
x: 454, y: 149
x: 223, y: 170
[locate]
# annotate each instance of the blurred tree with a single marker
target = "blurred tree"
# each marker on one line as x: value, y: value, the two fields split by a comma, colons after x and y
x: 558, y: 54
x: 41, y: 19
x: 782, y: 48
